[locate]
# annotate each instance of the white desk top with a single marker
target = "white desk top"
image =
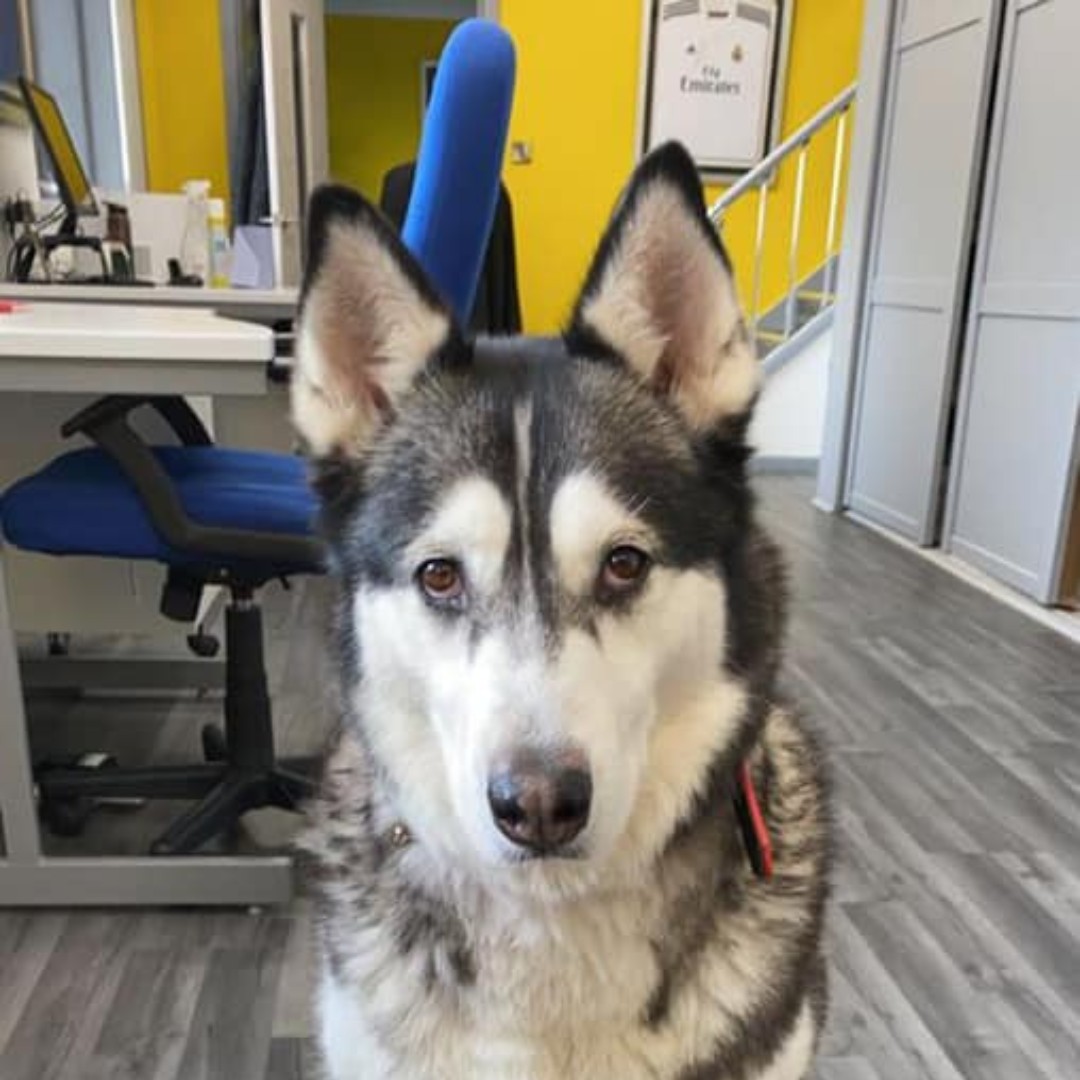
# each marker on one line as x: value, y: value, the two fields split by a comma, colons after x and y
x: 113, y: 332
x: 272, y: 303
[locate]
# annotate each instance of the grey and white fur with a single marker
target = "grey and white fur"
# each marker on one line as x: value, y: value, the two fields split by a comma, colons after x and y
x: 558, y: 633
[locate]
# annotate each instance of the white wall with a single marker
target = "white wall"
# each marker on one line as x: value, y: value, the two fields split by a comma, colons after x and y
x: 18, y: 165
x: 790, y: 417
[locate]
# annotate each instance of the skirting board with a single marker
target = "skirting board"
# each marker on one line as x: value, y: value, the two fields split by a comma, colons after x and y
x: 1062, y: 622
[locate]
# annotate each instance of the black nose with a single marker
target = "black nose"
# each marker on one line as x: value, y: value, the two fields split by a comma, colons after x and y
x: 541, y: 802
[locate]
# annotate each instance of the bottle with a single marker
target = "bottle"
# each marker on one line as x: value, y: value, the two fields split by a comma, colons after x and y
x: 220, y: 255
x: 195, y: 245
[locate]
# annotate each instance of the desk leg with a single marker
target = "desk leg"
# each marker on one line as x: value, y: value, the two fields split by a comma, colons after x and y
x: 21, y: 838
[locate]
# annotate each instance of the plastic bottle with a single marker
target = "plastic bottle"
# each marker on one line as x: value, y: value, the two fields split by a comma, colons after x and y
x: 195, y: 245
x: 220, y: 260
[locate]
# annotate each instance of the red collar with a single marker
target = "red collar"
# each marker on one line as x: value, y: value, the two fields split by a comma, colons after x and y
x: 751, y: 820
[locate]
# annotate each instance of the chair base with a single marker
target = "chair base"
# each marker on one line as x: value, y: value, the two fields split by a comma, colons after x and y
x: 241, y: 771
x: 231, y: 797
x: 224, y: 794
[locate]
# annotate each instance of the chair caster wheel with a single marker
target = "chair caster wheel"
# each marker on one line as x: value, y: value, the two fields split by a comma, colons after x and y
x: 204, y: 645
x: 57, y: 644
x: 214, y: 747
x: 68, y: 816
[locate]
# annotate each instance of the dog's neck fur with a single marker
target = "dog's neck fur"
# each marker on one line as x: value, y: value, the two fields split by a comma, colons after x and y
x: 475, y: 945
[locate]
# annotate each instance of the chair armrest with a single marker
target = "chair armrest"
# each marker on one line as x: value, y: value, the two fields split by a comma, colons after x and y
x: 174, y: 410
x: 105, y: 423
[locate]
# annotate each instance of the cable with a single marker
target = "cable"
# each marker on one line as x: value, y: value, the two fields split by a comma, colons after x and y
x: 51, y: 218
x: 25, y: 230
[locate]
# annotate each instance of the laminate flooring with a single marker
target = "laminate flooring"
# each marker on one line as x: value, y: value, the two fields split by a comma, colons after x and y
x: 954, y: 939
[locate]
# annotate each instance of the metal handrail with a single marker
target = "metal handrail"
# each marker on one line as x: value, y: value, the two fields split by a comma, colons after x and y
x: 767, y: 166
x: 759, y: 179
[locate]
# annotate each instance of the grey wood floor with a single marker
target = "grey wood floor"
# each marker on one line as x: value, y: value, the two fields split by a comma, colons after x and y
x: 954, y: 939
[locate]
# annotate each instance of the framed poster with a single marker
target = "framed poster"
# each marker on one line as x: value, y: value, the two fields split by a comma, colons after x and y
x: 713, y: 78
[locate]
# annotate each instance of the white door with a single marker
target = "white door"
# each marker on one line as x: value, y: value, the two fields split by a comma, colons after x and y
x: 936, y: 111
x: 294, y: 76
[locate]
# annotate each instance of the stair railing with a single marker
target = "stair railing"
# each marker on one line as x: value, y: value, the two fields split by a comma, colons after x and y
x: 759, y: 180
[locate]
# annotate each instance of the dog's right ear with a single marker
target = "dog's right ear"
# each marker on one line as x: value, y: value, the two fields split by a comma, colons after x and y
x: 370, y: 322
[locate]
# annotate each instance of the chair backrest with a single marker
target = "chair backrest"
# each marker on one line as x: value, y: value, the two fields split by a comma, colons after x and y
x: 460, y: 160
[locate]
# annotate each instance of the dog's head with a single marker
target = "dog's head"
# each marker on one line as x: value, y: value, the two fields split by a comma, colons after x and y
x: 543, y: 543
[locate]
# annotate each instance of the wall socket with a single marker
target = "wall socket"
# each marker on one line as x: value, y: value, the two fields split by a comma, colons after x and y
x: 521, y: 152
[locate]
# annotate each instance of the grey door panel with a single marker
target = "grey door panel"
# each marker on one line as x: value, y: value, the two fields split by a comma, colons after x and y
x: 927, y: 188
x: 1016, y: 458
x: 1017, y: 437
x: 901, y: 372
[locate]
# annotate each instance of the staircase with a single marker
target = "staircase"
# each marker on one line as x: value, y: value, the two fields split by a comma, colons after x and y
x: 783, y: 329
x: 814, y: 301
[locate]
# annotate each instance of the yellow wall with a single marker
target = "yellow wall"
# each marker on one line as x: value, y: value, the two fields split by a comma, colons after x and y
x: 373, y: 93
x: 576, y: 101
x: 183, y: 94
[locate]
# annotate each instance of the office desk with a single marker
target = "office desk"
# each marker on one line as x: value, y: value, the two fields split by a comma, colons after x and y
x: 52, y: 348
x: 114, y: 349
x: 255, y: 305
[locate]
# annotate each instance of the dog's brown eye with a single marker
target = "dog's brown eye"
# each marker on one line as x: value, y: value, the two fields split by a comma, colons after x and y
x: 624, y: 568
x: 441, y: 579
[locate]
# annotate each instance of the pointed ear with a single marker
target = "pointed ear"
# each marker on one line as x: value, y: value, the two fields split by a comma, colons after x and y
x: 660, y: 294
x: 369, y: 323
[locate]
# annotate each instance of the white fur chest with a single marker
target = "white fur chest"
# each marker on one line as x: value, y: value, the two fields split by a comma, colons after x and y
x: 480, y: 986
x: 553, y: 997
x: 552, y: 1000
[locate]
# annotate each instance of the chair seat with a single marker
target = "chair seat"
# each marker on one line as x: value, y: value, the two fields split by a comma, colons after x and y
x: 82, y: 504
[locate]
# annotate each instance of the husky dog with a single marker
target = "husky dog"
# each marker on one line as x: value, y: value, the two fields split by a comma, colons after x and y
x: 567, y: 830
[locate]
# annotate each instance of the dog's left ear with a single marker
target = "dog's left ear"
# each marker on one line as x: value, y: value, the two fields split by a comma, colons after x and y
x: 660, y: 295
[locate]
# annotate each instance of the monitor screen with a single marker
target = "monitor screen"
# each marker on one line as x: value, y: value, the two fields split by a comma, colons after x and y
x: 67, y: 168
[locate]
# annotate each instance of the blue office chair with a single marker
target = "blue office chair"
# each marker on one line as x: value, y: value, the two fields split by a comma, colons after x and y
x: 241, y: 518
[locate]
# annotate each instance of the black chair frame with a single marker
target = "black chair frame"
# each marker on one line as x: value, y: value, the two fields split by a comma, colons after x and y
x: 243, y: 771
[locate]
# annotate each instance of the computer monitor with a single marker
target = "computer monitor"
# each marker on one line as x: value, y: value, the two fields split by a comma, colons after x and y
x: 68, y: 171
